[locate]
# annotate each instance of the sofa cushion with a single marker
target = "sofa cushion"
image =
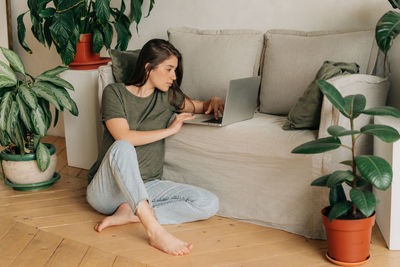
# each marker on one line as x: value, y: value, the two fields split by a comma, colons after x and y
x: 123, y: 64
x: 292, y: 58
x: 211, y: 58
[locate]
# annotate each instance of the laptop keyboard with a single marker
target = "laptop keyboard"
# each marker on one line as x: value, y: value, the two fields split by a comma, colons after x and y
x: 213, y: 120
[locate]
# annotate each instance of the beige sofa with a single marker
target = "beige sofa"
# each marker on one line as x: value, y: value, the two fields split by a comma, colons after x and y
x: 248, y: 165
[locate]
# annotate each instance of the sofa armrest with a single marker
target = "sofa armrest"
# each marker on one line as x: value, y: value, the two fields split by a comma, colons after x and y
x: 105, y: 78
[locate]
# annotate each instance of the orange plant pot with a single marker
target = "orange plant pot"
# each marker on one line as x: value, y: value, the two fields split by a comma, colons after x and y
x: 348, y: 240
x: 86, y: 58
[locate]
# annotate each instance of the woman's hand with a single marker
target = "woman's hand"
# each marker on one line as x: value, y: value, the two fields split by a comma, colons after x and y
x: 216, y: 104
x: 177, y: 123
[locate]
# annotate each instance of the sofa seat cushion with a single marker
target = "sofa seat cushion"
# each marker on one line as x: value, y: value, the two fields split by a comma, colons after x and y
x: 248, y: 165
x: 211, y: 58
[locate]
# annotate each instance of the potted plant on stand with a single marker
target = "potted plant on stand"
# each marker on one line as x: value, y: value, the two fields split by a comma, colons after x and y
x: 25, y: 117
x: 348, y: 222
x: 80, y: 28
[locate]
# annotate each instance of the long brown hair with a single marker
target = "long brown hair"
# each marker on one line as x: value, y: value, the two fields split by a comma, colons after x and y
x: 155, y: 52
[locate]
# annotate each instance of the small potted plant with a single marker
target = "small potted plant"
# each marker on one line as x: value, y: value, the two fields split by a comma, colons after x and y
x: 80, y: 28
x: 348, y: 222
x: 25, y: 117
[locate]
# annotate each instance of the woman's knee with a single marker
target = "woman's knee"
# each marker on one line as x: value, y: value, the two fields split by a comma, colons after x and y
x: 122, y: 147
x: 208, y: 203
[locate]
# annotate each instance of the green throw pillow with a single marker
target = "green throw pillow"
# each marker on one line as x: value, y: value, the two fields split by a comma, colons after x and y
x: 305, y: 114
x: 123, y: 64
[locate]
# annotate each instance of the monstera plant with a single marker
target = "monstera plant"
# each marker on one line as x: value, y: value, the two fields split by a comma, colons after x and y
x: 388, y: 27
x: 62, y: 21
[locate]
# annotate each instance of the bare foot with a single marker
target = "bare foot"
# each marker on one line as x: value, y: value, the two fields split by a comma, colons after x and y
x: 123, y: 215
x: 166, y: 242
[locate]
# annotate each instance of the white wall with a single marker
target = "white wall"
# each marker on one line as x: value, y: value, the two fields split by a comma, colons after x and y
x: 3, y: 27
x: 229, y: 14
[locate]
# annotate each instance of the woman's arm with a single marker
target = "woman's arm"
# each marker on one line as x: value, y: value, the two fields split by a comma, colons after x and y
x: 119, y: 129
x: 195, y: 106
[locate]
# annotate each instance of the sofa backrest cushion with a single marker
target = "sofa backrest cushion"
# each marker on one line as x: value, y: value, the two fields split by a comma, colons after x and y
x: 211, y: 58
x: 292, y: 59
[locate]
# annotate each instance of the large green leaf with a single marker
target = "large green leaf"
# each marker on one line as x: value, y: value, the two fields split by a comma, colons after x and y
x: 107, y: 35
x: 376, y: 170
x: 12, y: 121
x: 55, y: 80
x: 46, y: 110
x: 383, y: 111
x: 4, y: 138
x: 21, y: 32
x: 136, y: 11
x: 44, y: 90
x: 68, y: 53
x: 37, y: 27
x: 74, y: 110
x: 339, y: 177
x: 123, y: 35
x: 321, y: 181
x: 28, y: 95
x: 61, y: 29
x: 318, y: 146
x: 7, y: 76
x: 54, y: 71
x: 364, y: 200
x: 339, y: 209
x: 355, y: 104
x: 63, y: 97
x: 333, y: 96
x: 336, y: 195
x: 150, y: 7
x: 39, y: 121
x: 387, y: 28
x: 47, y: 12
x: 46, y: 31
x: 337, y: 131
x: 102, y: 9
x: 98, y: 41
x: 19, y: 138
x: 395, y: 3
x: 42, y: 157
x: 5, y: 107
x: 385, y: 133
x: 13, y: 59
x: 24, y: 113
x: 361, y: 182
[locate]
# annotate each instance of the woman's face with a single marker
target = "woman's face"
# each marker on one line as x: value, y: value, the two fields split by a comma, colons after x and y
x: 163, y: 75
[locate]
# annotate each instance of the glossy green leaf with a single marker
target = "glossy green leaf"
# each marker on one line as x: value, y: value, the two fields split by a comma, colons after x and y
x: 55, y: 80
x: 98, y: 41
x: 123, y: 35
x: 395, y: 3
x: 136, y: 11
x: 39, y: 121
x: 46, y: 31
x: 19, y: 137
x: 337, y: 131
x: 13, y: 120
x: 74, y: 110
x: 385, y: 133
x: 102, y: 9
x: 387, y: 28
x: 24, y: 114
x: 4, y: 138
x: 28, y: 95
x: 7, y: 76
x: 336, y: 195
x: 67, y: 53
x: 47, y: 12
x: 61, y: 29
x: 46, y: 110
x: 321, y: 181
x: 5, y: 107
x: 63, y: 97
x: 376, y: 170
x: 21, y: 32
x: 42, y: 157
x: 355, y: 104
x: 339, y: 177
x: 54, y: 71
x: 14, y: 60
x: 318, y: 146
x: 107, y: 35
x: 44, y: 90
x: 383, y: 111
x: 364, y: 200
x: 333, y: 96
x: 36, y: 141
x: 56, y: 114
x: 339, y: 209
x: 150, y: 7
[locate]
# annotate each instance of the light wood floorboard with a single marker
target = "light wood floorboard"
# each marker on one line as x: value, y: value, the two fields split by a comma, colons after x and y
x: 54, y: 227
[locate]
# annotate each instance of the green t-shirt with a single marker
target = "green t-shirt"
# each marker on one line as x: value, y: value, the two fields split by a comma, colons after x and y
x: 143, y: 114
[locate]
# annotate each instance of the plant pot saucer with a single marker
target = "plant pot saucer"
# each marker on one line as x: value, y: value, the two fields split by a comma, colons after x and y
x: 90, y: 65
x: 341, y: 263
x: 34, y: 186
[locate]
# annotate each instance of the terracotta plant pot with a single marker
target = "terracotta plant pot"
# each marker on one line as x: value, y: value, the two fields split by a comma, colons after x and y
x: 24, y: 169
x: 348, y: 240
x: 86, y: 58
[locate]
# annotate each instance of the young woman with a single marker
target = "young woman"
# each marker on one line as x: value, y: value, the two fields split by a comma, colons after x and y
x: 125, y: 182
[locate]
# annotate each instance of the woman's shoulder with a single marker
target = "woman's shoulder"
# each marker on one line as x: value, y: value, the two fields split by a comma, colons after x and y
x: 115, y: 87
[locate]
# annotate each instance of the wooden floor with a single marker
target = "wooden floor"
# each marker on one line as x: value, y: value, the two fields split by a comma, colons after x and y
x: 54, y: 227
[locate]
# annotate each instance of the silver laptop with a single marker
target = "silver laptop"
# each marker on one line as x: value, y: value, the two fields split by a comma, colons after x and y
x: 240, y: 103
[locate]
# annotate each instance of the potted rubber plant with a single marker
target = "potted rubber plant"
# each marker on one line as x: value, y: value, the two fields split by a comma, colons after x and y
x: 348, y: 222
x: 387, y: 28
x: 25, y: 117
x: 80, y: 28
